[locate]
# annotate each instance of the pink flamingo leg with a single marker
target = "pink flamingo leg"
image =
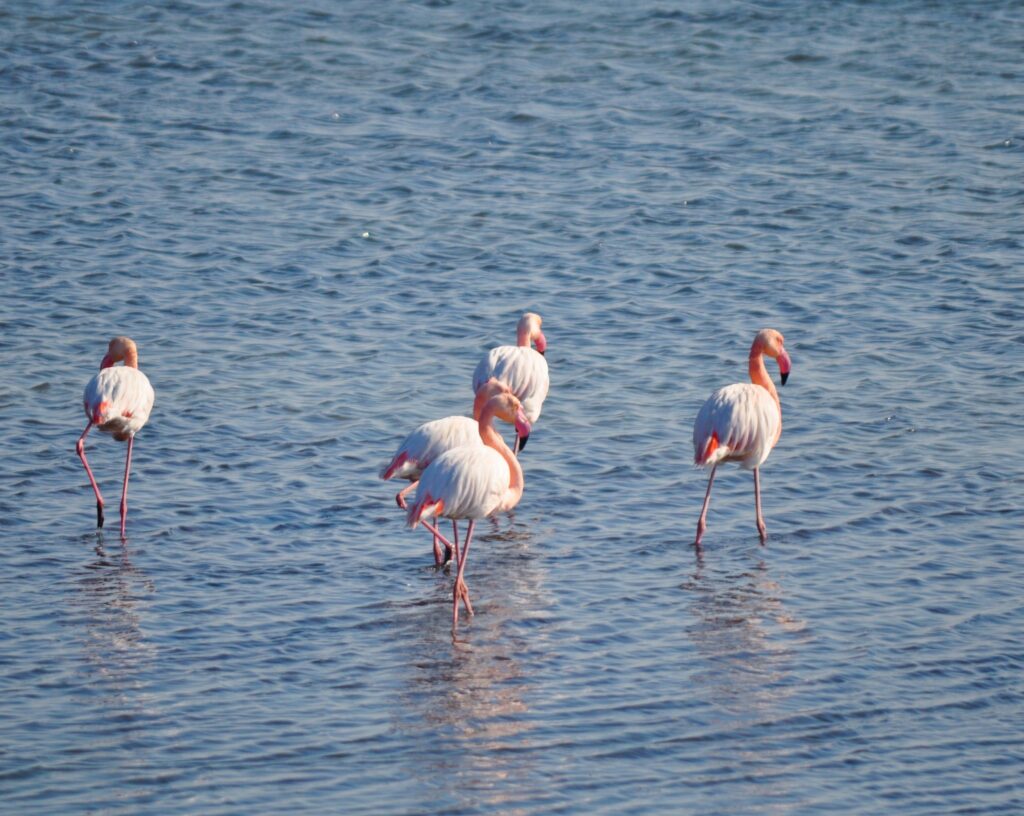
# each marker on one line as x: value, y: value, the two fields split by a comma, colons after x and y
x: 439, y: 559
x: 461, y: 591
x: 124, y: 487
x: 761, y: 528
x: 80, y: 448
x: 702, y: 524
x: 437, y: 532
x: 401, y: 494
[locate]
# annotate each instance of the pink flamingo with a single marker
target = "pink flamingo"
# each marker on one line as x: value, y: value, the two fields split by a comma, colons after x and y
x: 431, y: 439
x: 118, y: 402
x: 521, y: 367
x: 742, y: 422
x: 472, y: 482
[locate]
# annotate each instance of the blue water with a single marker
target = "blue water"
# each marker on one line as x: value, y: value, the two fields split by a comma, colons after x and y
x: 315, y: 218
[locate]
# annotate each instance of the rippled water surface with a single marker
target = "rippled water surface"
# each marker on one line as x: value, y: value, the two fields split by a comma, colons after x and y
x: 315, y: 217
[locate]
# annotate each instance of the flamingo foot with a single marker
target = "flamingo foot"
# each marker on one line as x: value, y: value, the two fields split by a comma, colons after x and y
x: 460, y: 593
x: 442, y: 560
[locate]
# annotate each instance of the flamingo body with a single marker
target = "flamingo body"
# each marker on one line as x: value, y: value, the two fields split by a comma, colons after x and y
x: 428, y: 442
x: 118, y: 401
x: 738, y: 423
x: 464, y: 483
x: 523, y: 370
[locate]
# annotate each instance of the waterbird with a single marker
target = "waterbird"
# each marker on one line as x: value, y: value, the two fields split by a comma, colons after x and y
x: 117, y: 401
x: 742, y: 422
x: 521, y: 367
x: 431, y: 439
x: 472, y: 482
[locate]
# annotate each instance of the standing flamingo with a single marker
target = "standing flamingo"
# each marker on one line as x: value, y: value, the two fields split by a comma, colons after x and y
x: 522, y: 368
x: 742, y: 422
x: 472, y: 482
x: 431, y: 439
x: 118, y: 402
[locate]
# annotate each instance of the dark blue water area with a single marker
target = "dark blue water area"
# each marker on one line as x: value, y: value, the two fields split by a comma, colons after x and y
x: 315, y: 218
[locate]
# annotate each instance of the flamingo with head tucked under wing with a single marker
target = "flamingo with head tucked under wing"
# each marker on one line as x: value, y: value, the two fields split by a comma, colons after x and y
x: 472, y: 482
x: 117, y: 401
x: 742, y: 422
x: 521, y: 367
x: 431, y: 439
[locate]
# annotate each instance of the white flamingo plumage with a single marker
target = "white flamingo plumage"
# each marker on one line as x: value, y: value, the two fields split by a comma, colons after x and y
x: 117, y: 401
x: 431, y: 439
x: 521, y: 367
x: 472, y: 482
x: 742, y: 422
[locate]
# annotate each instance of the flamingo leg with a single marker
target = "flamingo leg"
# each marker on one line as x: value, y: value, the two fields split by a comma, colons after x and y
x: 761, y: 528
x: 124, y: 487
x: 702, y: 522
x: 461, y: 591
x: 401, y: 494
x: 80, y: 448
x: 437, y: 532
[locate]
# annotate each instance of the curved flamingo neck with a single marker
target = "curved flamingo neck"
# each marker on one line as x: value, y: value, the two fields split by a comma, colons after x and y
x: 131, y: 356
x: 479, y: 401
x: 759, y: 374
x: 524, y: 334
x: 492, y: 439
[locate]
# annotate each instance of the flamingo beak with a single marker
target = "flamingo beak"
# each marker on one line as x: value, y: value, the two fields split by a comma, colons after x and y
x: 784, y: 366
x: 540, y: 342
x: 522, y: 428
x: 107, y: 362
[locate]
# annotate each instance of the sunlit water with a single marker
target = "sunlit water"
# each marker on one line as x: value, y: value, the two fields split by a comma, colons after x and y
x: 315, y: 218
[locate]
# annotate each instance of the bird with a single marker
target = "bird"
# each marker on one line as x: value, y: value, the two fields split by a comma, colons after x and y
x: 472, y: 482
x: 742, y: 422
x: 521, y: 367
x: 431, y: 439
x: 117, y: 401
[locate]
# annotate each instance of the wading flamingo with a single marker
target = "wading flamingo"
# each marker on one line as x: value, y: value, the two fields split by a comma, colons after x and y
x: 118, y: 402
x: 741, y: 423
x: 472, y: 482
x: 431, y: 439
x: 522, y: 368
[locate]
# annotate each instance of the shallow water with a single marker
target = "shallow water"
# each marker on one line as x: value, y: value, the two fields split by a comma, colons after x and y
x: 314, y: 221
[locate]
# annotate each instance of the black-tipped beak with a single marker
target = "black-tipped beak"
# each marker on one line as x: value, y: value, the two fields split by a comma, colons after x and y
x: 522, y: 442
x: 541, y: 353
x: 784, y: 377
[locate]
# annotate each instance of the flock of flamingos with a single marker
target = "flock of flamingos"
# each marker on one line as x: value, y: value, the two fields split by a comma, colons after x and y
x: 460, y: 467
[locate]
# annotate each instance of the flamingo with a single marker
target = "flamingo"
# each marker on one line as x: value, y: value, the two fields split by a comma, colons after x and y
x: 472, y: 482
x: 742, y: 422
x: 431, y: 439
x: 521, y: 367
x: 118, y: 402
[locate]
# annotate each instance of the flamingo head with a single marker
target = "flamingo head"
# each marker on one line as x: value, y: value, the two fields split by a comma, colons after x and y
x: 492, y: 388
x: 528, y: 331
x: 506, y: 407
x: 770, y: 342
x: 121, y: 348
